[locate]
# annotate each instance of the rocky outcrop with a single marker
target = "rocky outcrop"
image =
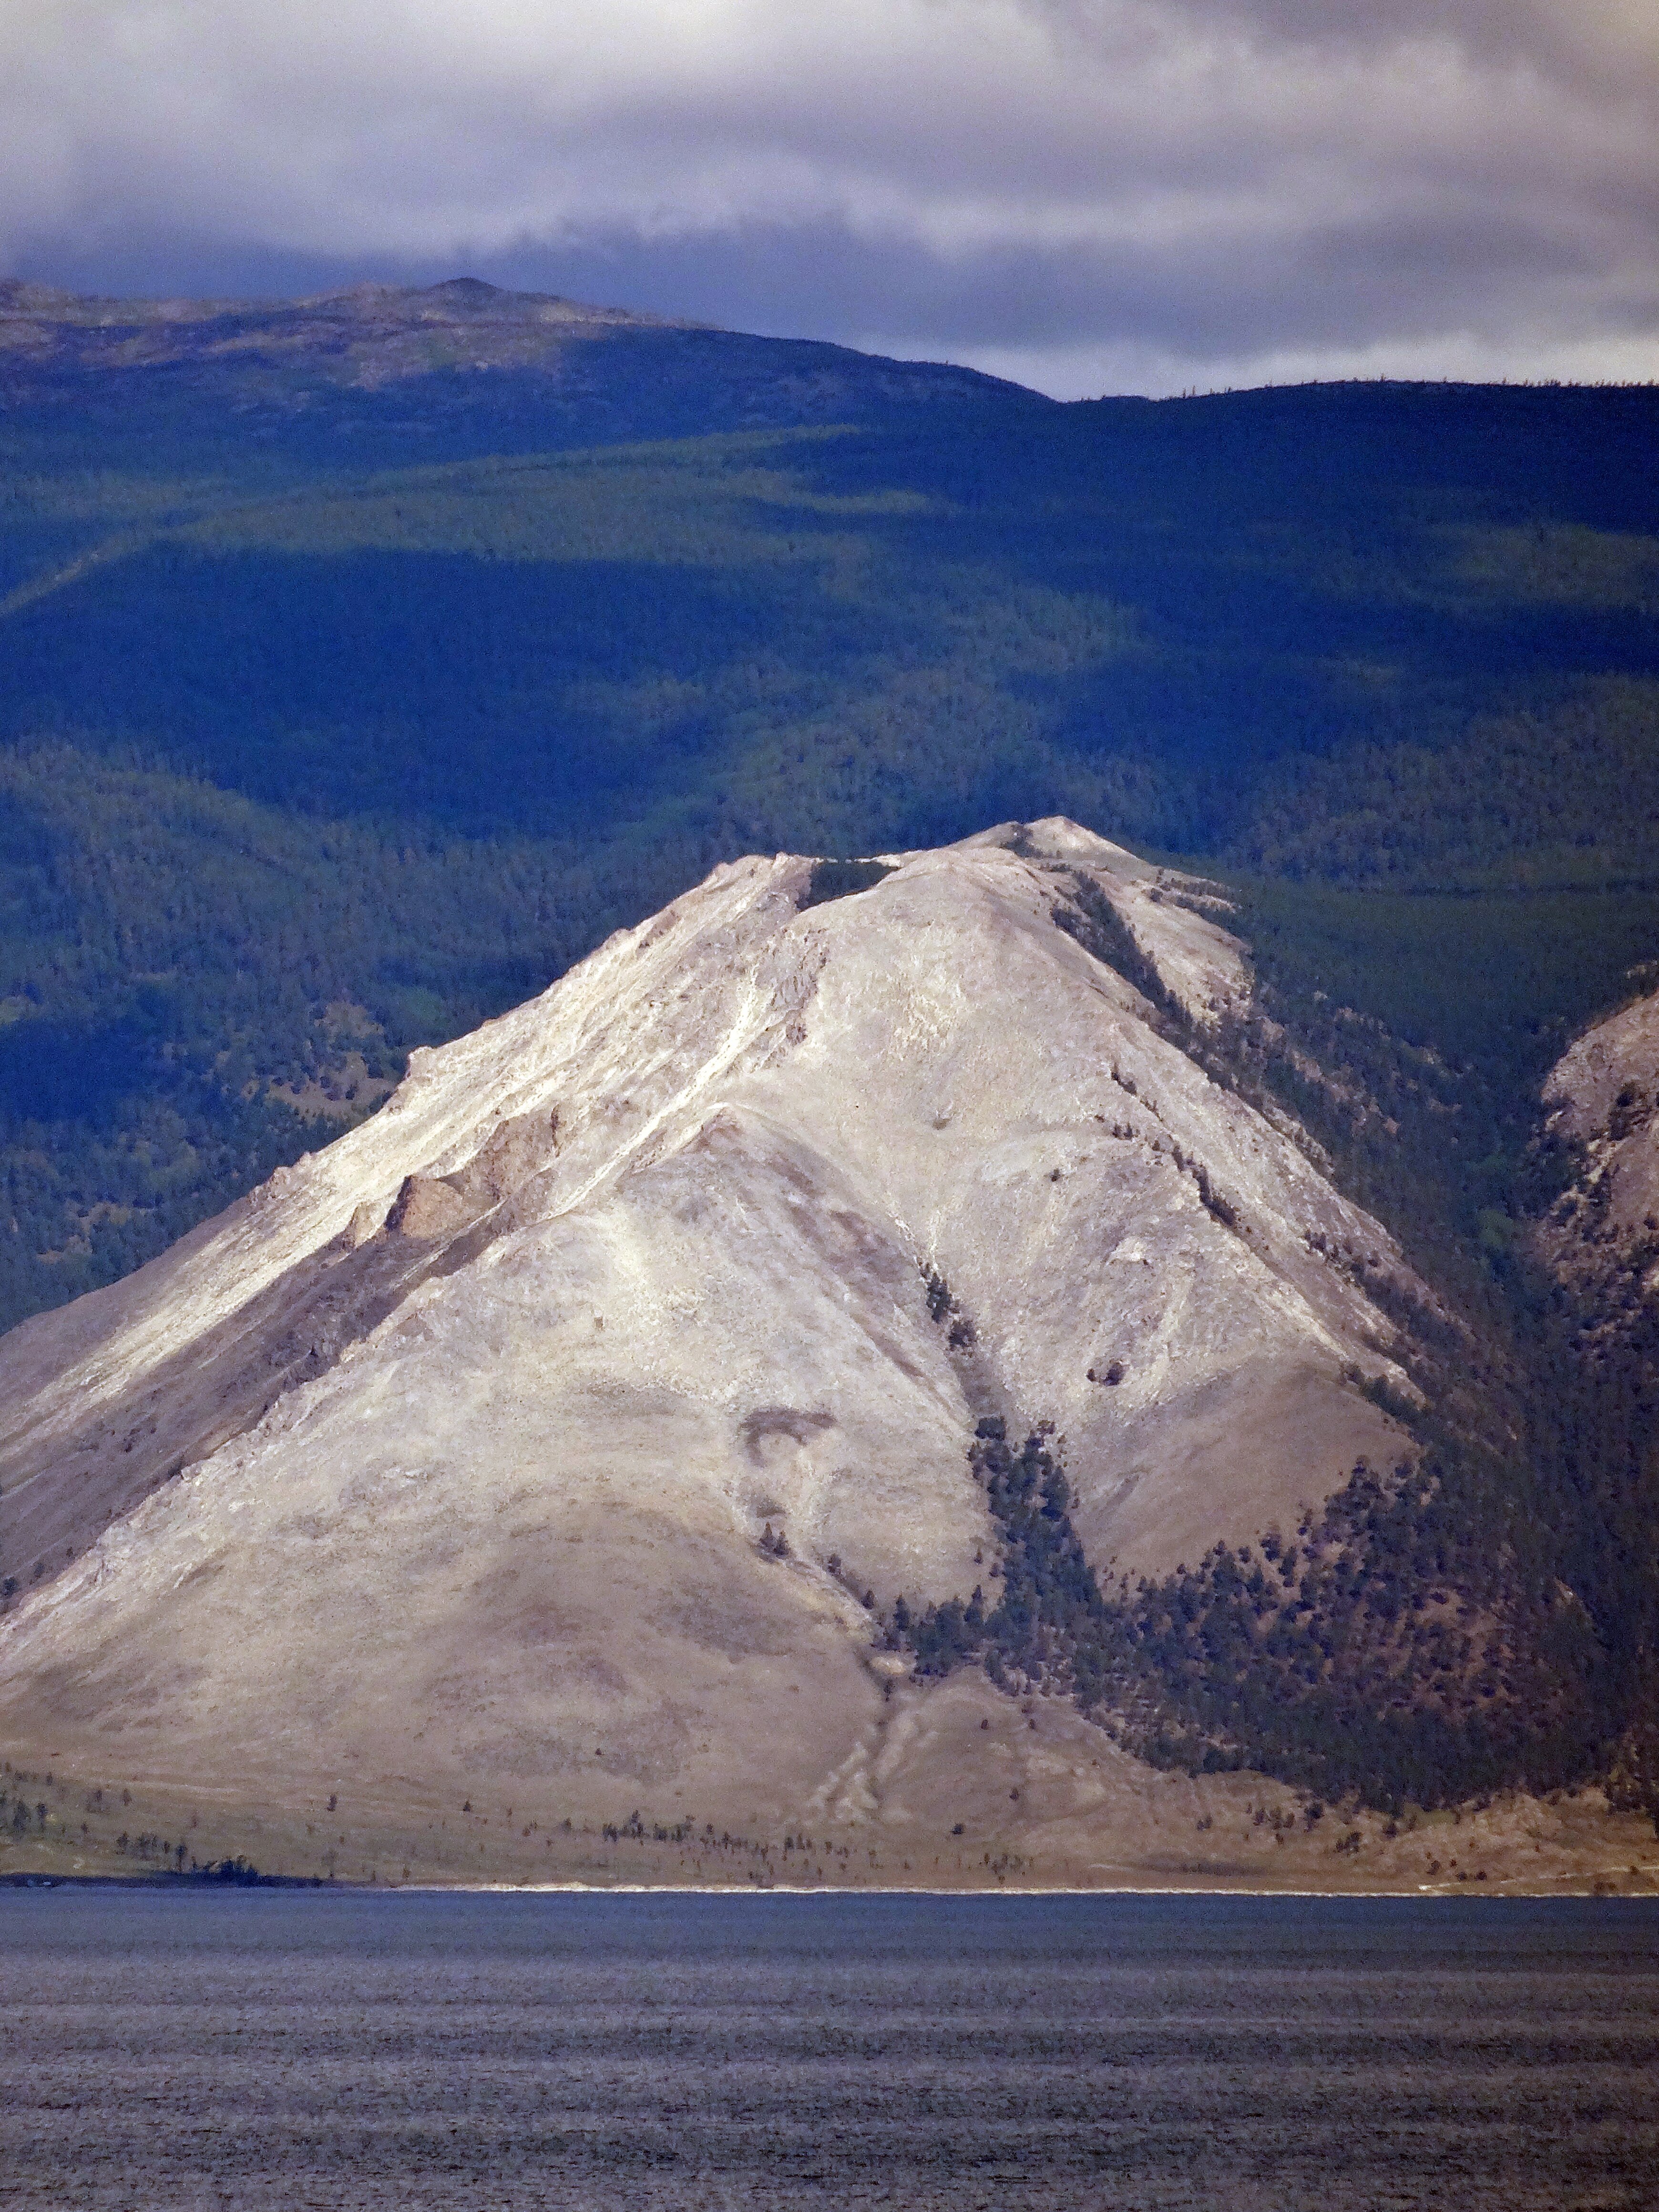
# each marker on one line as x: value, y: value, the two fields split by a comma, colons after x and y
x: 1602, y: 1102
x: 562, y: 1421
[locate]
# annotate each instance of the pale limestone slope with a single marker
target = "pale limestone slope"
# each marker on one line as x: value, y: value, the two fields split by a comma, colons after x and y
x: 484, y: 1408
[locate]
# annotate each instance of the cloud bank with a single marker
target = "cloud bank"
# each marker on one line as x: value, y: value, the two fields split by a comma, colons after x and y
x: 1087, y: 194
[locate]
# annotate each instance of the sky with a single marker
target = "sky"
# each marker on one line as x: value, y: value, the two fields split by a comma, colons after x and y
x: 1086, y: 194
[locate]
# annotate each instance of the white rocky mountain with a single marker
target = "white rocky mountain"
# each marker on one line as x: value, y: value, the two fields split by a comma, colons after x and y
x: 448, y: 1454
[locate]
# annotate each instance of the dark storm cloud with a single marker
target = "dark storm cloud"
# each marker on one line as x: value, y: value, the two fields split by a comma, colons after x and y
x: 1084, y: 192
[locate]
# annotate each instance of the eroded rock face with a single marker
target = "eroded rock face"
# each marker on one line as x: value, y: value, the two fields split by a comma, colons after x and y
x: 1602, y: 1102
x: 449, y: 1452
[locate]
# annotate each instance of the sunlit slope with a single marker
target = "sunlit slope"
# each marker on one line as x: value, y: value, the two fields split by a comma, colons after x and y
x: 1173, y: 616
x: 654, y: 642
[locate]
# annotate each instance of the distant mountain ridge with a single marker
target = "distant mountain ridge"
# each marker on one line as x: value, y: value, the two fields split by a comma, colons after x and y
x: 457, y: 301
x: 369, y: 337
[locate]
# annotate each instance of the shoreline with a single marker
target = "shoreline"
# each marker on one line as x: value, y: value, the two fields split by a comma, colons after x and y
x: 320, y: 1886
x: 1227, y: 1837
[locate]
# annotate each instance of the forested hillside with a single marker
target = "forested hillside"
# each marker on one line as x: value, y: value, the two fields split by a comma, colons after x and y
x: 339, y: 714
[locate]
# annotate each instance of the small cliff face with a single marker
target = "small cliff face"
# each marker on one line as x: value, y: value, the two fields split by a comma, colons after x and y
x: 463, y: 1447
x: 1602, y: 1101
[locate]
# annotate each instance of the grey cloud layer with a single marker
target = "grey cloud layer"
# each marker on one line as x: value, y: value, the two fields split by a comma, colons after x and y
x: 1189, y: 185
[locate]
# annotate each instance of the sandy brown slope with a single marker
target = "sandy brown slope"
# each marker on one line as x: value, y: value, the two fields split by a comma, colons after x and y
x: 484, y: 1411
x: 952, y: 1786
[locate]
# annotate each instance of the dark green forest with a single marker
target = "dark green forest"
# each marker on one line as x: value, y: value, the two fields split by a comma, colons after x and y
x: 332, y: 720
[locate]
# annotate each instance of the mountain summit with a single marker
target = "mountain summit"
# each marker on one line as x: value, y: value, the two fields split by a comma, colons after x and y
x: 572, y: 1424
x: 591, y: 370
x: 369, y: 333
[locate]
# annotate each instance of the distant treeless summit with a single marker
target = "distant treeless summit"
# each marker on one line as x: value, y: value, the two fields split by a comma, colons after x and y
x: 372, y: 332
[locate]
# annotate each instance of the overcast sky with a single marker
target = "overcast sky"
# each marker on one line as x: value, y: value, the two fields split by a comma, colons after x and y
x: 1088, y: 195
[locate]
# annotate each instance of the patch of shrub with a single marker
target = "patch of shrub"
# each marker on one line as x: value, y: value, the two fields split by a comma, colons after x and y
x: 1399, y: 1648
x: 839, y: 879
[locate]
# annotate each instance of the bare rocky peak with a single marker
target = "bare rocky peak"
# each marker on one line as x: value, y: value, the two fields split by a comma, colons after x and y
x: 451, y: 1450
x: 366, y: 334
x: 1602, y: 1101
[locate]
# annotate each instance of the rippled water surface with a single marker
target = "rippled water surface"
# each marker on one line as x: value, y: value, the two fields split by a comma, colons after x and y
x: 348, y: 2051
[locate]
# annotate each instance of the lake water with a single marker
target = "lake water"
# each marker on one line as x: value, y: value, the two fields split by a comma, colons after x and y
x: 272, y: 2049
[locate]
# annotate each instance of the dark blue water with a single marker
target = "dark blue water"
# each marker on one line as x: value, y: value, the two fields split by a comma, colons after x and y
x: 297, y: 2051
